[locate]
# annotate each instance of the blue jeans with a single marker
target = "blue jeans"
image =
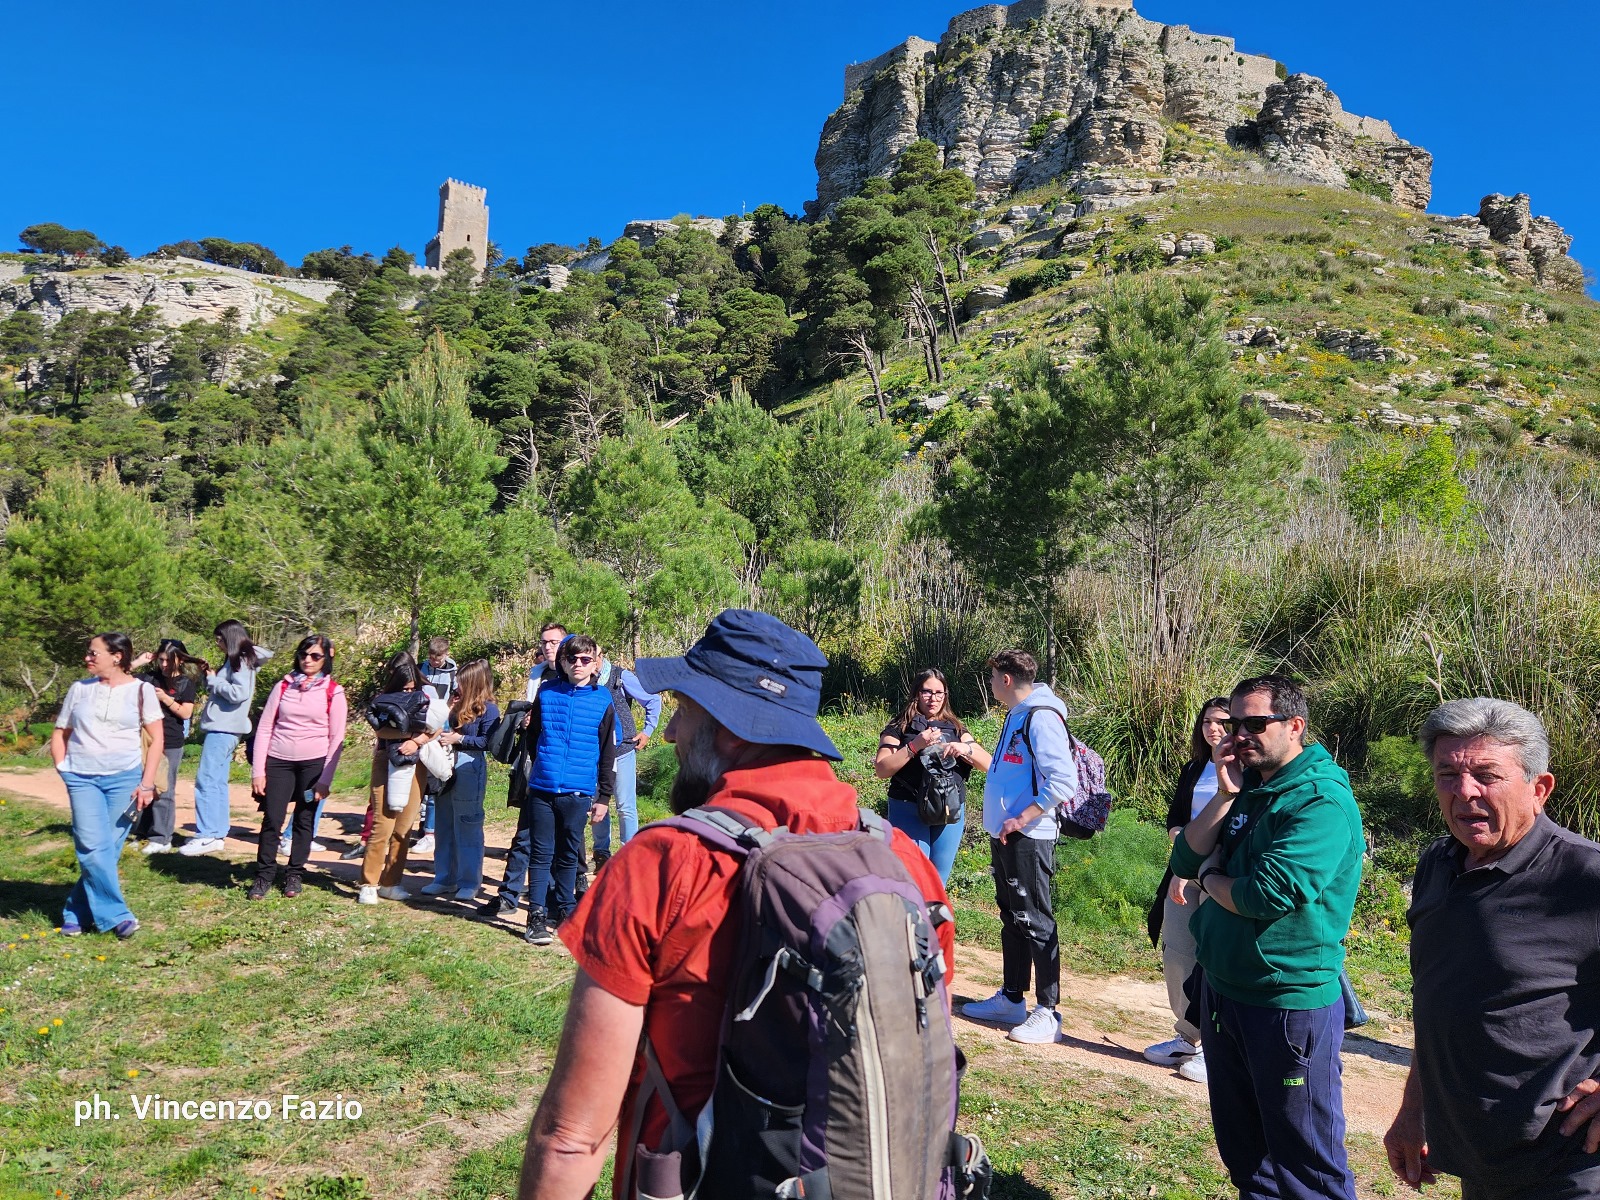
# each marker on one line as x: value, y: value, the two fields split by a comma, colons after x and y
x: 939, y: 844
x: 458, y: 837
x: 102, y: 814
x: 428, y: 812
x: 1277, y: 1102
x: 555, y: 825
x: 211, y: 785
x: 625, y: 803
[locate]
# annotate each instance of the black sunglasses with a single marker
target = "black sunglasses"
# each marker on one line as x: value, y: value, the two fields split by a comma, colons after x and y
x: 1253, y: 724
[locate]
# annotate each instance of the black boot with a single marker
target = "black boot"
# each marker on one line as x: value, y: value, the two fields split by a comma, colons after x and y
x: 601, y: 858
x: 538, y: 932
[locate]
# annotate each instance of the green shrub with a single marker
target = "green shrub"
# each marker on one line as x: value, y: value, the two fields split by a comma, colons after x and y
x: 1396, y: 793
x: 1110, y: 880
x: 1040, y: 129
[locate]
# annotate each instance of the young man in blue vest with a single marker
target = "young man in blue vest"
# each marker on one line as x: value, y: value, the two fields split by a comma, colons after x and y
x: 567, y: 771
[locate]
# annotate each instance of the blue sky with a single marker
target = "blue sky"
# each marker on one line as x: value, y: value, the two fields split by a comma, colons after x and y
x: 303, y: 125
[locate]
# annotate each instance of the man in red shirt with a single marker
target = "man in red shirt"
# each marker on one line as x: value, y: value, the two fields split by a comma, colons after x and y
x: 654, y: 949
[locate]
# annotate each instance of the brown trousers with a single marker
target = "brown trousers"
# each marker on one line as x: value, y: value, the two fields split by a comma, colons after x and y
x: 385, y: 862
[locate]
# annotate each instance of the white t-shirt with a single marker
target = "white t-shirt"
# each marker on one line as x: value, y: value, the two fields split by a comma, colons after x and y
x: 105, y: 723
x: 1205, y: 790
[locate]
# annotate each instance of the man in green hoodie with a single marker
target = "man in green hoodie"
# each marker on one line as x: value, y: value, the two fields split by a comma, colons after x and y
x: 1278, y: 855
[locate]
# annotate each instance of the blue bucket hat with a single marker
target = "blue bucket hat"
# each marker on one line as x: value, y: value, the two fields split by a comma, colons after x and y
x: 760, y: 679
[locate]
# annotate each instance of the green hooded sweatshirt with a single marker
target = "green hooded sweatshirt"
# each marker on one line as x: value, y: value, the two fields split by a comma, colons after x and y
x: 1293, y: 847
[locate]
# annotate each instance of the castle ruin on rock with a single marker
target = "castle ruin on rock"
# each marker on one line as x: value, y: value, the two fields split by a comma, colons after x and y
x: 463, y: 225
x: 1019, y: 95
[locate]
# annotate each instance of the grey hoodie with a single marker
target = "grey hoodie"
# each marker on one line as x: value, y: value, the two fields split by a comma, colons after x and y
x: 228, y: 697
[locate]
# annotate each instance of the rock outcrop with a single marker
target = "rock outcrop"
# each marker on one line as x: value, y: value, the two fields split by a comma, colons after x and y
x: 1018, y: 96
x: 1304, y: 129
x: 1523, y: 245
x: 179, y: 290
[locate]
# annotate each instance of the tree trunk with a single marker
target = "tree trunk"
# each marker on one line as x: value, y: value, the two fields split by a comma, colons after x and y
x: 634, y: 620
x: 944, y: 288
x: 929, y: 325
x: 869, y: 360
x: 414, y: 643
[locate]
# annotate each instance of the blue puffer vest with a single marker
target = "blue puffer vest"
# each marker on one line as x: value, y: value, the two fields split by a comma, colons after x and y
x: 567, y: 758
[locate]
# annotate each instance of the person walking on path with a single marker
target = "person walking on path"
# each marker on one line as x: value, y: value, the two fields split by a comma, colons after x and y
x: 297, y: 751
x: 1277, y: 853
x: 109, y: 776
x: 1177, y: 899
x: 567, y: 773
x: 458, y: 848
x: 927, y: 721
x: 1031, y: 773
x: 176, y: 693
x: 1504, y: 1088
x: 654, y: 939
x: 224, y: 720
x: 384, y: 866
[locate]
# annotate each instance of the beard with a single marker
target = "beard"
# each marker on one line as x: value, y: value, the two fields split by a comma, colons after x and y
x: 700, y: 769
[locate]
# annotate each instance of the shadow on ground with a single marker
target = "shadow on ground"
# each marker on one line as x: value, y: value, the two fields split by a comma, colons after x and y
x: 44, y: 899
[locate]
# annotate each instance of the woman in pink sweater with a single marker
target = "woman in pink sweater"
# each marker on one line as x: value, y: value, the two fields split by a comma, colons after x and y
x: 296, y: 752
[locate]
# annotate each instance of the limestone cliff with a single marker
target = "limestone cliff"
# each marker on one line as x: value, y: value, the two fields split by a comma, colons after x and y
x: 1017, y: 96
x: 180, y: 290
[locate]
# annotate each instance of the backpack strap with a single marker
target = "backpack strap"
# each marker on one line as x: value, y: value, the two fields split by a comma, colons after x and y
x: 723, y: 828
x: 1033, y: 759
x: 871, y: 822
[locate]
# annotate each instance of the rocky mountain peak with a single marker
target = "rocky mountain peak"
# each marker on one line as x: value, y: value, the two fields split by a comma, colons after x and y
x: 1019, y: 95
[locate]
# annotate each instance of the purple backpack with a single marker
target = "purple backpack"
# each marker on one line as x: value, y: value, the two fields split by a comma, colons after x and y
x: 1089, y: 809
x: 838, y: 1073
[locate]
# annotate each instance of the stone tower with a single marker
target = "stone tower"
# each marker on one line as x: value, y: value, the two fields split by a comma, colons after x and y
x: 463, y: 224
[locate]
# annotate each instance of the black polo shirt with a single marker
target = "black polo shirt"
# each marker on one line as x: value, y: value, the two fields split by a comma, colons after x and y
x: 1505, y: 967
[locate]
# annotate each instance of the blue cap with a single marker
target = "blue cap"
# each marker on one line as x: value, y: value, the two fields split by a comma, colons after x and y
x: 760, y: 679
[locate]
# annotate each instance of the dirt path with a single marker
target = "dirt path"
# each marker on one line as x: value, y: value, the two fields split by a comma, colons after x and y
x: 1107, y: 1022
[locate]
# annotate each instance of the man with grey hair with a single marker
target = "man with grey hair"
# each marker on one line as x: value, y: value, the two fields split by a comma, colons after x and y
x: 1504, y: 1088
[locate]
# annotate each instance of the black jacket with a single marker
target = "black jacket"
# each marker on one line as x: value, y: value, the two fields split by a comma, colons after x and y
x: 1177, y: 818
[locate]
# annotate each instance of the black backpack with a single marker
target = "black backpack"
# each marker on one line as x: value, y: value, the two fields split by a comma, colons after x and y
x: 501, y: 743
x: 944, y: 790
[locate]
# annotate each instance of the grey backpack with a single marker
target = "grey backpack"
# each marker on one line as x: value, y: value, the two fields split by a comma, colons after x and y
x: 838, y: 1072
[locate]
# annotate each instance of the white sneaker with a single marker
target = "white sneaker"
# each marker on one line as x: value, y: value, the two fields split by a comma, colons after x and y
x: 158, y: 848
x: 199, y: 845
x: 424, y: 845
x: 435, y: 889
x: 1195, y: 1068
x: 997, y: 1009
x: 394, y: 893
x: 1042, y: 1027
x: 368, y: 895
x: 1171, y: 1053
x: 318, y: 848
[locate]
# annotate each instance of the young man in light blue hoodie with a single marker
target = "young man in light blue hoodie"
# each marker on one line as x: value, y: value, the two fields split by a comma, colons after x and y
x: 1033, y: 774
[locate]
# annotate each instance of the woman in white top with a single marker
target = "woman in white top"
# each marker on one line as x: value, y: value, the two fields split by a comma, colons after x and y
x: 110, y: 778
x: 1177, y: 899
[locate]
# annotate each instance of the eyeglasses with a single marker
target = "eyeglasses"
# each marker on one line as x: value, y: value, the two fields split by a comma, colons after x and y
x: 929, y: 692
x: 313, y: 656
x: 581, y: 660
x: 1253, y: 724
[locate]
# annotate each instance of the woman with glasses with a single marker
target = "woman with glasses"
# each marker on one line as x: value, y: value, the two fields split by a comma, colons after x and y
x: 176, y: 692
x: 110, y: 777
x: 566, y: 775
x: 296, y: 753
x: 1177, y: 899
x: 928, y: 721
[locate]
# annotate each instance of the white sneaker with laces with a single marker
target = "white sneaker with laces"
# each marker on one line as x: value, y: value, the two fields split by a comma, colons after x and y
x: 1195, y: 1068
x: 368, y: 894
x: 199, y: 845
x: 394, y: 893
x: 318, y: 848
x: 424, y: 845
x: 158, y: 848
x: 1171, y: 1053
x: 1042, y: 1027
x: 996, y: 1008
